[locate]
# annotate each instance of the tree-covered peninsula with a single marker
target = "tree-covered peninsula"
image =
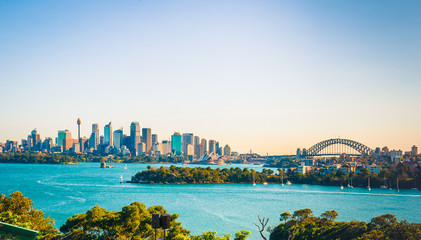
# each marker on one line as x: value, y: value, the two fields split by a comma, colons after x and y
x: 186, y: 175
x: 181, y: 175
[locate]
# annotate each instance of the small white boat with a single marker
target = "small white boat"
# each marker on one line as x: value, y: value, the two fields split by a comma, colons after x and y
x: 383, y: 187
x: 368, y: 185
x: 342, y: 187
x: 254, y: 181
x: 288, y: 182
x: 305, y: 185
x: 121, y: 178
x: 125, y: 166
x: 265, y: 183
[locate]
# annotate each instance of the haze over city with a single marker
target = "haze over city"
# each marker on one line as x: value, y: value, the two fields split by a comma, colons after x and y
x: 267, y: 76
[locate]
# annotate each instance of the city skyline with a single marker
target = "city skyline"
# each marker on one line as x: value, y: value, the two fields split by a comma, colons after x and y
x: 269, y: 76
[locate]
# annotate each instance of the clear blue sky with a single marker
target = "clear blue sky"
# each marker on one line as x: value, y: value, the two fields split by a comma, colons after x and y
x: 269, y: 76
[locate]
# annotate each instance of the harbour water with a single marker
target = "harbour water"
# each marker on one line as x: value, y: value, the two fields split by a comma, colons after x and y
x: 64, y: 190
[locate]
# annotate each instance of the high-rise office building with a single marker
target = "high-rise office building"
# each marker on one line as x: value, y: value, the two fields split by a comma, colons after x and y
x: 217, y: 148
x: 62, y: 135
x: 154, y: 138
x: 176, y: 144
x: 227, y: 150
x: 118, y: 138
x: 95, y: 138
x: 165, y: 147
x: 140, y: 149
x: 212, y: 147
x: 414, y: 150
x: 108, y: 135
x: 134, y: 137
x: 36, y: 140
x: 147, y: 139
x: 205, y: 146
x: 187, y: 139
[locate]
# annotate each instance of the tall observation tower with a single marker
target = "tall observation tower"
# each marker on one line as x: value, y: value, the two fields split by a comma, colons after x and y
x: 78, y: 128
x: 78, y: 134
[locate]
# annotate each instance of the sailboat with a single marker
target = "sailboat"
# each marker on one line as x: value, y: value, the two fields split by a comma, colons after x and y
x: 288, y: 182
x: 348, y: 183
x: 125, y: 166
x: 282, y: 181
x: 254, y: 181
x: 265, y: 183
x: 121, y: 178
x: 351, y: 183
x: 368, y: 185
x: 397, y: 184
x: 342, y: 187
x: 390, y: 186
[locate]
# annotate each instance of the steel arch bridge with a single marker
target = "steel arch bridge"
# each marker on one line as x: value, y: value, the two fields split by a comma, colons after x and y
x: 337, y: 146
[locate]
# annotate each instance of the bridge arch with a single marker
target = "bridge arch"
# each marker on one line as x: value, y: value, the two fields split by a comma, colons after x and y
x: 316, y: 149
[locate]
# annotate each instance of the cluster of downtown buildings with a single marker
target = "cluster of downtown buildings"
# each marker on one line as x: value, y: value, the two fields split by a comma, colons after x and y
x: 140, y: 142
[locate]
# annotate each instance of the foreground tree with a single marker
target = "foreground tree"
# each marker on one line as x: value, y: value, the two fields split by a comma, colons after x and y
x: 304, y: 225
x: 131, y: 222
x: 19, y: 210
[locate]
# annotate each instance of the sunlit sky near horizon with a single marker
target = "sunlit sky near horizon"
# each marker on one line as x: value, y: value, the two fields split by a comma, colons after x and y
x: 270, y: 76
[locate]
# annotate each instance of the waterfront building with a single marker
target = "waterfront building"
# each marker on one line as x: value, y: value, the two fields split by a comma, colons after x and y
x: 147, y: 139
x: 108, y: 134
x: 385, y: 151
x: 227, y: 150
x: 134, y: 137
x: 303, y: 168
x: 187, y: 139
x: 414, y: 150
x: 396, y: 156
x: 118, y: 138
x: 211, y: 147
x: 205, y: 146
x: 62, y: 134
x: 348, y: 168
x: 176, y: 144
x: 373, y: 168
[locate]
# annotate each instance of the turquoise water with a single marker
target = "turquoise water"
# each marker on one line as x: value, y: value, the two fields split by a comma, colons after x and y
x: 64, y: 190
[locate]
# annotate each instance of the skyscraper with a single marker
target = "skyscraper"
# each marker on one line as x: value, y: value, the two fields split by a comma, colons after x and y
x: 187, y: 139
x: 62, y: 135
x: 134, y: 137
x: 227, y: 150
x: 212, y: 147
x: 118, y: 138
x: 36, y: 140
x: 176, y: 143
x: 147, y: 139
x: 217, y: 148
x: 204, y: 143
x: 108, y: 134
x: 154, y: 138
x: 94, y: 140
